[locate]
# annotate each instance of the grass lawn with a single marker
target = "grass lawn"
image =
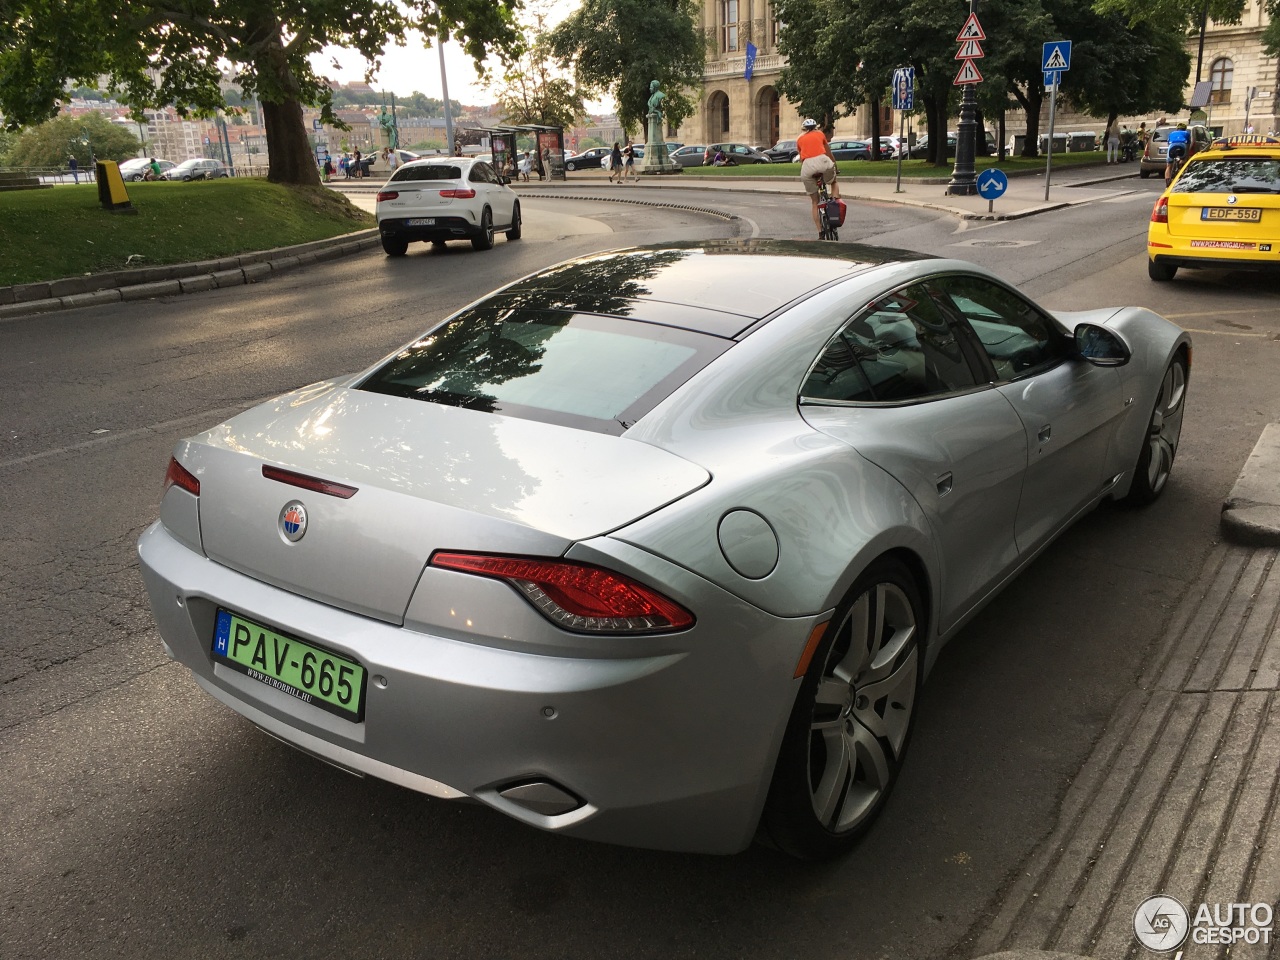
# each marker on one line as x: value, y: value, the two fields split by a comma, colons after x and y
x: 64, y: 232
x: 852, y: 169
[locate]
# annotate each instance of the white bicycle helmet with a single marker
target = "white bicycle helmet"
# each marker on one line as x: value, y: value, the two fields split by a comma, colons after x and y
x: 809, y: 124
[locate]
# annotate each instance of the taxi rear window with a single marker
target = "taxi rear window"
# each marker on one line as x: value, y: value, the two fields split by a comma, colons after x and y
x: 1231, y: 174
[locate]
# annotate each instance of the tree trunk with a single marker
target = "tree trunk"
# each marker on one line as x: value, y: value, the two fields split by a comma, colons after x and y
x: 1031, y: 100
x: 938, y: 127
x: 875, y: 128
x: 291, y: 159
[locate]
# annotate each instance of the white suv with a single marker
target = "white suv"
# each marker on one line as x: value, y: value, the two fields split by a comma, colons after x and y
x: 446, y: 198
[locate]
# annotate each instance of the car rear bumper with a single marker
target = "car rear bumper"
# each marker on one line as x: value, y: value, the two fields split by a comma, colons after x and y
x: 1184, y: 252
x: 444, y: 228
x: 665, y: 742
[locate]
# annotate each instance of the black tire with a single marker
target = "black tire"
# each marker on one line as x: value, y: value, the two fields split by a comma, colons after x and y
x: 1160, y: 441
x: 820, y: 803
x: 394, y: 247
x: 1160, y: 272
x: 484, y: 241
x: 517, y: 227
x: 1144, y: 174
x: 571, y: 166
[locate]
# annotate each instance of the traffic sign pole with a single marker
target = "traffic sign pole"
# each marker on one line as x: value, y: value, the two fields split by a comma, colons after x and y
x: 1053, y: 109
x: 964, y: 174
x: 902, y: 146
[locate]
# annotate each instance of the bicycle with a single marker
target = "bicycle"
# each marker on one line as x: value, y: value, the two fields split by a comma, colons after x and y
x: 827, y: 226
x: 1176, y: 163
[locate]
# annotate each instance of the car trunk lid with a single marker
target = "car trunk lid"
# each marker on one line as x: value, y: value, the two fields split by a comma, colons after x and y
x: 427, y: 477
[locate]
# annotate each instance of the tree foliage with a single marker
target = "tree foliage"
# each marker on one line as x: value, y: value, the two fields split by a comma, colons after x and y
x: 161, y: 52
x: 533, y: 90
x: 620, y: 46
x: 822, y: 59
x: 49, y: 144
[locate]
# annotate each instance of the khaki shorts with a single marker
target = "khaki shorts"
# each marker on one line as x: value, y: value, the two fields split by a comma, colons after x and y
x: 810, y: 169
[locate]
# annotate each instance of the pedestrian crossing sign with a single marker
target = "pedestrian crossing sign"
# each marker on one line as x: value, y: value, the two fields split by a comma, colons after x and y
x: 1056, y: 56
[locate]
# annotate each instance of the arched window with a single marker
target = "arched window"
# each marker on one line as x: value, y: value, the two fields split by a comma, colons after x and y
x: 1220, y: 80
x: 717, y: 117
x: 728, y: 25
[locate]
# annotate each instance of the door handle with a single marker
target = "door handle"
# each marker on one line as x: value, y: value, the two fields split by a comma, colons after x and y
x: 944, y: 484
x: 1045, y: 432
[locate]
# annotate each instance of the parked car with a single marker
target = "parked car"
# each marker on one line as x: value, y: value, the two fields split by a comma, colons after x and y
x: 784, y: 151
x: 850, y: 149
x: 921, y: 148
x: 1156, y: 154
x: 197, y: 169
x: 447, y: 198
x: 689, y: 155
x: 137, y: 169
x: 587, y: 159
x: 544, y: 529
x: 637, y: 151
x: 736, y: 154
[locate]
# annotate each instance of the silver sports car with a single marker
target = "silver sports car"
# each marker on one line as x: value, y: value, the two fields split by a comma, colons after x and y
x: 656, y: 546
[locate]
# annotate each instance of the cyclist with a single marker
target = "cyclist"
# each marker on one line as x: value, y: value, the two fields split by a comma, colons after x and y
x: 816, y: 162
x: 1179, y: 147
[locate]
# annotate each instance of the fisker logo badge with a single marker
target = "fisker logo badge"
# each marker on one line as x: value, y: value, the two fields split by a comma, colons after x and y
x: 293, y: 521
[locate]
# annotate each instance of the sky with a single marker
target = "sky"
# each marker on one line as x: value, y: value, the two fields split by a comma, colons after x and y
x: 415, y: 67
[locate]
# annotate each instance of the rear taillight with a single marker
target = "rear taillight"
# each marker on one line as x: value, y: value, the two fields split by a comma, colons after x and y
x: 387, y: 195
x: 459, y: 194
x: 576, y: 596
x: 179, y: 476
x: 1160, y: 212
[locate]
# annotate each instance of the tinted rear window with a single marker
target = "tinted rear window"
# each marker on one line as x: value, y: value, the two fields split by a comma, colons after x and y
x: 597, y: 373
x: 1231, y: 175
x: 429, y: 171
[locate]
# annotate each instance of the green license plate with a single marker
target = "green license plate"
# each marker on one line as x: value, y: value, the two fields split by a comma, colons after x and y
x: 1247, y: 214
x: 311, y: 674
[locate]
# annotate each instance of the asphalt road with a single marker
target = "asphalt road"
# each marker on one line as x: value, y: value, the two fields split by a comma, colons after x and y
x: 142, y: 819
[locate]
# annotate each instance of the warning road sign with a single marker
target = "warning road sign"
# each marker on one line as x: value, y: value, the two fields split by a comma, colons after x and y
x: 970, y: 50
x: 972, y: 30
x: 968, y: 74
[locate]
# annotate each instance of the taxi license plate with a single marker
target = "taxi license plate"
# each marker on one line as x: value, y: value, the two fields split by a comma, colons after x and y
x: 1247, y: 214
x: 306, y: 672
x: 420, y: 222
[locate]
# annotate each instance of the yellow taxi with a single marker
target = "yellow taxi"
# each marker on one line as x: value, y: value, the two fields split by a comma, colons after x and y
x: 1222, y: 210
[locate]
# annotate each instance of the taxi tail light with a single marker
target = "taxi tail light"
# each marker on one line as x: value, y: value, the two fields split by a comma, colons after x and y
x: 577, y: 596
x: 387, y: 195
x: 179, y: 476
x: 458, y: 193
x: 1160, y: 212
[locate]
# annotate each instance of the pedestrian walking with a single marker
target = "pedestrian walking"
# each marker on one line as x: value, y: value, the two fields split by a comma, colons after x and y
x: 615, y: 163
x: 1113, y: 143
x: 526, y: 166
x: 75, y: 167
x: 359, y: 168
x: 328, y: 167
x: 629, y: 162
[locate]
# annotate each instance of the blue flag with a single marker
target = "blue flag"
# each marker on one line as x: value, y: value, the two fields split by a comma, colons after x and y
x: 751, y: 60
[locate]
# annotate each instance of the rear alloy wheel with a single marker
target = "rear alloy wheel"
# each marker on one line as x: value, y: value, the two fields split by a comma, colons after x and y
x: 394, y: 247
x: 1160, y: 444
x: 852, y: 720
x: 1160, y: 272
x: 485, y: 240
x: 516, y: 225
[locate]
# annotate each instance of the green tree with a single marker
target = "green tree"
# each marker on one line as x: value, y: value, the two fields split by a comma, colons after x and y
x: 92, y: 135
x: 532, y: 91
x: 46, y: 43
x: 822, y: 58
x: 619, y: 46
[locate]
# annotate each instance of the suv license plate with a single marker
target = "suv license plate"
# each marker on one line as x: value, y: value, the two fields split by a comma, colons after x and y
x: 305, y: 672
x: 421, y: 222
x: 1247, y: 214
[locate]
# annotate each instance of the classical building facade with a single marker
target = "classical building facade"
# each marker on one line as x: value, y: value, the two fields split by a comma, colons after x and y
x: 734, y: 107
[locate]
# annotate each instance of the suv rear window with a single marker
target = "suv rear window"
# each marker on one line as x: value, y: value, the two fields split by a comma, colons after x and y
x: 428, y: 171
x: 583, y: 370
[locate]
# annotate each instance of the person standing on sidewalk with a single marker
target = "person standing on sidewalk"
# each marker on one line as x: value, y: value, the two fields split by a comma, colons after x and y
x: 1113, y: 143
x: 615, y: 163
x: 74, y: 166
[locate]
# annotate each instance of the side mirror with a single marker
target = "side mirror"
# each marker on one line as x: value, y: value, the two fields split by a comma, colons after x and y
x: 1101, y: 346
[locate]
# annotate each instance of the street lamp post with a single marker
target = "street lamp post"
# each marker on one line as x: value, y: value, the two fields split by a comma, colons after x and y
x: 964, y: 176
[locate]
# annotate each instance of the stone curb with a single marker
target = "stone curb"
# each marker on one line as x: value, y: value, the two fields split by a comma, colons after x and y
x: 1251, y: 514
x: 140, y: 284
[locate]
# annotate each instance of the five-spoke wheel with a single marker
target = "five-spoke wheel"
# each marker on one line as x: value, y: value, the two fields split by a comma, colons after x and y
x: 849, y: 729
x: 1164, y: 429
